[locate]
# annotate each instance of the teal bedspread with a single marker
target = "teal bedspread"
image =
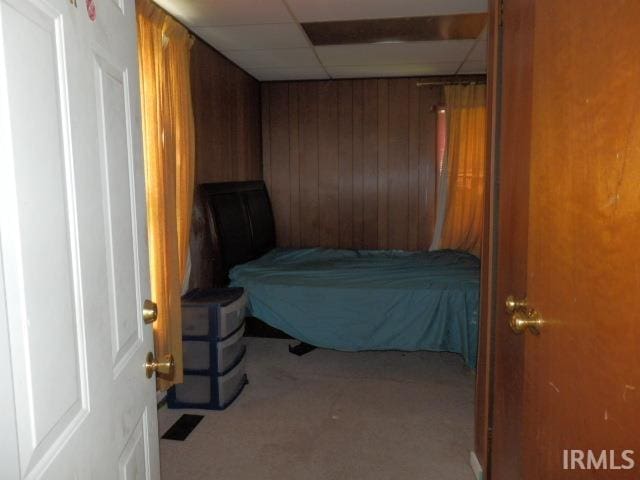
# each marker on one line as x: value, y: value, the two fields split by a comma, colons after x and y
x: 368, y: 299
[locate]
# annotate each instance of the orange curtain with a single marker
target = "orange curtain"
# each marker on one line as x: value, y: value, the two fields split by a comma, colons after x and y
x: 177, y: 64
x: 169, y: 151
x: 461, y: 187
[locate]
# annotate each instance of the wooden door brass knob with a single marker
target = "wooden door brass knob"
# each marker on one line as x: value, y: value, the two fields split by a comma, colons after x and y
x: 523, y: 320
x: 512, y: 303
x: 163, y: 367
x: 149, y: 311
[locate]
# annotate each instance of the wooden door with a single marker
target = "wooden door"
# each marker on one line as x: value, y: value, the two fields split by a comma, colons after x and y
x: 74, y: 273
x: 568, y: 229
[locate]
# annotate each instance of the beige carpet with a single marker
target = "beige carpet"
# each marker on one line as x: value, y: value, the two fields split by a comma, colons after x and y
x: 333, y: 416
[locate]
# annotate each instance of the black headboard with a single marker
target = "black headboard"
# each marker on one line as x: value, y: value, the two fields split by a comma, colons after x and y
x: 241, y: 223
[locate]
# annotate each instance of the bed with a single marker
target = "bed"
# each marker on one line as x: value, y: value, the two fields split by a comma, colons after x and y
x: 343, y: 299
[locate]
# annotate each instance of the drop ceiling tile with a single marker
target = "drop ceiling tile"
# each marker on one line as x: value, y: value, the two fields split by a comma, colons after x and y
x: 473, y: 67
x: 293, y: 73
x: 447, y: 51
x: 479, y: 52
x: 411, y: 70
x: 326, y: 10
x: 253, y: 37
x: 386, y: 30
x: 278, y: 58
x: 199, y: 13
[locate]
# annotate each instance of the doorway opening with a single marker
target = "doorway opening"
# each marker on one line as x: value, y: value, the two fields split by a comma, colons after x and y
x: 350, y: 214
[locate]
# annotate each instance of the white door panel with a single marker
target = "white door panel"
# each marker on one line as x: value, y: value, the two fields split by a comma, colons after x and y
x: 117, y: 186
x: 39, y: 234
x: 8, y: 440
x: 73, y: 242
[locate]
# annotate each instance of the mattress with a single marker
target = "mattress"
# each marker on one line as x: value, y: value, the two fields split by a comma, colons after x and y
x: 356, y: 300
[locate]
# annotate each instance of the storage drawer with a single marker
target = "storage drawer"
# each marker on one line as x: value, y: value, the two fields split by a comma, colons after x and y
x: 232, y: 316
x: 230, y: 350
x: 195, y: 320
x: 213, y: 349
x: 209, y: 392
x: 230, y: 385
x: 206, y: 319
x: 195, y: 389
x: 197, y: 354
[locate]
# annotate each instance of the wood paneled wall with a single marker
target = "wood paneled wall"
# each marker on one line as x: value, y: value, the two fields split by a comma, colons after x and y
x: 351, y: 163
x: 226, y: 109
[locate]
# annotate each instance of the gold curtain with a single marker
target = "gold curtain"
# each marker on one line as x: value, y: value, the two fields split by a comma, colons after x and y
x: 462, y: 189
x: 178, y: 62
x: 169, y: 150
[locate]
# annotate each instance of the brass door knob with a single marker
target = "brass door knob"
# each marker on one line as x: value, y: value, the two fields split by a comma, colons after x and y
x: 164, y: 367
x: 526, y: 319
x: 149, y: 311
x: 512, y: 303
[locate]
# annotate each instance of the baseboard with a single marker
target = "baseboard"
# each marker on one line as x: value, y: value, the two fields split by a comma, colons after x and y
x: 475, y: 466
x: 161, y: 398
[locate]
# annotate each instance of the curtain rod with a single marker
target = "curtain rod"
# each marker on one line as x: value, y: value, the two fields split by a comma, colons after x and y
x: 444, y: 82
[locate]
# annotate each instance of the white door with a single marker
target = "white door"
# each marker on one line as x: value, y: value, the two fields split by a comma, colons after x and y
x: 75, y: 401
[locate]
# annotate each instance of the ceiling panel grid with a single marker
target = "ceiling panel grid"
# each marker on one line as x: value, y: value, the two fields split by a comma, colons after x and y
x: 267, y: 38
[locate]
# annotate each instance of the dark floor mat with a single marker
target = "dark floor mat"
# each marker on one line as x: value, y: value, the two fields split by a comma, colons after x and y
x: 183, y: 427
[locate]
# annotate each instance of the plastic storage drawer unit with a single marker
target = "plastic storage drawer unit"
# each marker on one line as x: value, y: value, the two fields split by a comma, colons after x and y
x: 214, y: 353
